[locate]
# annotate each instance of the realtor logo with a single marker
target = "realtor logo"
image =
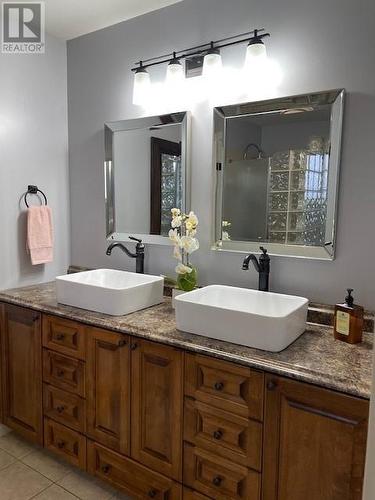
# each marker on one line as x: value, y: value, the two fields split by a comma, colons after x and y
x: 23, y: 28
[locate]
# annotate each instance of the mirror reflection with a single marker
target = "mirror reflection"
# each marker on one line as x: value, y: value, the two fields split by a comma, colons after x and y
x: 146, y: 175
x: 277, y: 174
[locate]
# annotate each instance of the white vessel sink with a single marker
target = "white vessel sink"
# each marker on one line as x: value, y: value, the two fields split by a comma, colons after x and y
x: 109, y: 291
x: 263, y: 320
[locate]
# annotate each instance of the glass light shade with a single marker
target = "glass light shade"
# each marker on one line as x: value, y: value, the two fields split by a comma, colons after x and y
x: 256, y: 52
x: 175, y: 72
x: 212, y: 64
x: 142, y: 85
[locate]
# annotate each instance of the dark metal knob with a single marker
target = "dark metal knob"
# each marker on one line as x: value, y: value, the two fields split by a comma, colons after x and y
x: 134, y: 346
x: 218, y: 434
x: 60, y: 373
x: 271, y: 385
x: 60, y: 409
x: 219, y: 386
x: 217, y: 480
x: 61, y: 444
x: 121, y: 343
x: 152, y: 493
x: 60, y: 336
x: 106, y: 469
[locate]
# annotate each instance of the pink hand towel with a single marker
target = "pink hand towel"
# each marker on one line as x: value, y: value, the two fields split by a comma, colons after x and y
x: 40, y: 234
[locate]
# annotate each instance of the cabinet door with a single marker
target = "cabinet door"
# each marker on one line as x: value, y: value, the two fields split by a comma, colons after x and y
x: 315, y: 443
x: 22, y: 371
x: 157, y: 400
x: 108, y: 386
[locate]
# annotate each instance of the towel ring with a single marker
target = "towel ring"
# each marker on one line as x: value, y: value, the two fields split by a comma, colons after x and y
x: 34, y: 190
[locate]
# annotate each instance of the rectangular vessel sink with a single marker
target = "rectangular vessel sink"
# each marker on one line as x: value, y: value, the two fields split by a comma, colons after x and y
x: 109, y: 291
x: 263, y: 320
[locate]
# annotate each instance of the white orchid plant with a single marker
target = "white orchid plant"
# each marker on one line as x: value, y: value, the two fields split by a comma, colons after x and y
x: 183, y: 235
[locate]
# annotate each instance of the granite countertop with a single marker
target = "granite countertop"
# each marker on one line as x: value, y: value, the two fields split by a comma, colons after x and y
x: 315, y: 357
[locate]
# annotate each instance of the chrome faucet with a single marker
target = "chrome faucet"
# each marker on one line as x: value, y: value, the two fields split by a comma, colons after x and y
x: 262, y: 267
x: 139, y: 254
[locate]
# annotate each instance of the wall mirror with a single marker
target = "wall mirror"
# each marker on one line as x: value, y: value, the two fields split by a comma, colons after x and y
x: 146, y: 174
x: 276, y: 166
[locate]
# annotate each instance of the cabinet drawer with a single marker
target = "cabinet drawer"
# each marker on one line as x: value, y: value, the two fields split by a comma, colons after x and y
x: 193, y: 495
x: 66, y: 408
x: 233, y: 437
x: 63, y: 372
x: 225, y: 385
x: 65, y: 336
x: 129, y: 476
x: 219, y: 478
x: 67, y: 443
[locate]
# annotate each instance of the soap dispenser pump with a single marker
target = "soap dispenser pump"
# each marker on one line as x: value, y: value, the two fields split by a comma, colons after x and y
x: 348, y: 324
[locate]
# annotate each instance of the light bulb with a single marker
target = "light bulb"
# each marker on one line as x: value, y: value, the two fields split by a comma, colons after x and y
x: 256, y: 52
x: 212, y: 63
x: 175, y: 72
x: 142, y: 85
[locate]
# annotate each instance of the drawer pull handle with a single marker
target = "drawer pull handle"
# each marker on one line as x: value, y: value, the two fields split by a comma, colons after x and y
x: 60, y: 373
x: 152, y: 493
x: 218, y: 434
x: 271, y: 385
x: 133, y: 347
x: 219, y: 386
x: 60, y: 444
x: 121, y: 343
x: 106, y: 469
x: 60, y: 409
x: 217, y: 480
x: 60, y: 336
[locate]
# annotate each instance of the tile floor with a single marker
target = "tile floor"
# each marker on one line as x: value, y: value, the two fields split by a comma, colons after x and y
x: 30, y: 472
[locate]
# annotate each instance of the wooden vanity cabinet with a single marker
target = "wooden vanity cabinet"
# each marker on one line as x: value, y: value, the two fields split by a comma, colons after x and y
x: 315, y: 442
x: 21, y: 362
x: 158, y: 422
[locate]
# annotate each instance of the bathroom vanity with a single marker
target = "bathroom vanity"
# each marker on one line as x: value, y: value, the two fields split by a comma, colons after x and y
x: 163, y: 414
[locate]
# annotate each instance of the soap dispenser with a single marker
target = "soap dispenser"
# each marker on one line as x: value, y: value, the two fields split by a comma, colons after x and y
x: 349, y: 320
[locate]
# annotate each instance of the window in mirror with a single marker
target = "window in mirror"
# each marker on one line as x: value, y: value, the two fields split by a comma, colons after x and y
x: 147, y: 175
x: 277, y: 170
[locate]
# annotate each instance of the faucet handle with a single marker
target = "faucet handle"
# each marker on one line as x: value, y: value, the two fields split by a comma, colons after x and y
x: 133, y: 238
x: 264, y: 250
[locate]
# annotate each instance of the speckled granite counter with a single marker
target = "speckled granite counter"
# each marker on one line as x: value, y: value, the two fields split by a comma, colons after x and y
x: 315, y: 357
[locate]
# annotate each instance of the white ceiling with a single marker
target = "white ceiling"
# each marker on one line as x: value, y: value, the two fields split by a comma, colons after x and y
x: 71, y: 18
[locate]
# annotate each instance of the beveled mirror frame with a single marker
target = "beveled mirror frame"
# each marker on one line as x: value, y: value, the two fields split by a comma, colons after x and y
x: 182, y: 118
x: 221, y: 114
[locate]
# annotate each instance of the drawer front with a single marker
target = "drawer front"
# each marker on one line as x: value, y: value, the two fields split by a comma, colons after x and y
x: 63, y: 372
x: 68, y: 409
x: 219, y: 478
x: 233, y: 437
x: 193, y: 495
x: 225, y: 385
x: 129, y: 476
x: 67, y: 443
x: 65, y: 336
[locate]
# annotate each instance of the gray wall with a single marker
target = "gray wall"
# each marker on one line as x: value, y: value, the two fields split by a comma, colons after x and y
x: 311, y: 42
x: 33, y: 150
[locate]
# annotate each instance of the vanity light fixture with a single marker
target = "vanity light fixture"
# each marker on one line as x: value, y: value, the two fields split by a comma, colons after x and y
x: 212, y: 62
x: 256, y: 50
x: 207, y: 56
x: 175, y: 71
x: 142, y: 84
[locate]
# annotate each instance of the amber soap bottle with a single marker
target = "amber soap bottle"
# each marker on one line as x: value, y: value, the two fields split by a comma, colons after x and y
x: 349, y: 320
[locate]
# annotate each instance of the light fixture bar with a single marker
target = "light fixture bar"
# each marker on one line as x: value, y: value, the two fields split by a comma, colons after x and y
x: 202, y: 49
